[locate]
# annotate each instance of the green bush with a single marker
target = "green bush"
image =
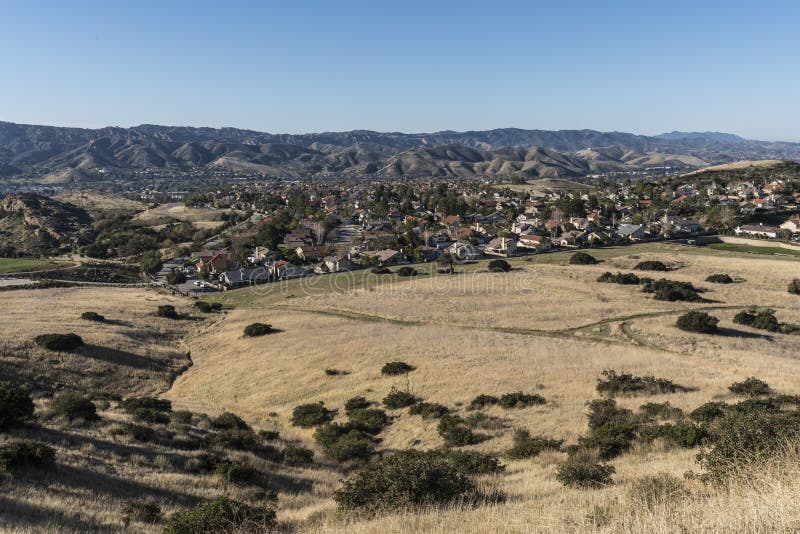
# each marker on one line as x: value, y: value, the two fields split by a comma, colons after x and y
x: 471, y: 462
x: 708, y: 412
x: 258, y: 329
x: 268, y: 435
x: 697, y: 321
x: 762, y: 320
x: 235, y: 438
x: 406, y: 271
x: 221, y: 515
x: 183, y: 417
x: 719, y: 279
x: 481, y: 401
x: 131, y: 404
x: 527, y: 446
x: 404, y: 480
x: 748, y: 437
x: 456, y: 433
x: 137, y: 432
x: 582, y: 258
x: 154, y: 417
x: 681, y: 434
x: 356, y: 403
x: 651, y: 265
x: 309, y: 415
x: 168, y: 311
x: 396, y: 368
x: 751, y: 387
x: 344, y: 443
x: 429, y: 410
x: 297, y: 455
x: 660, y: 410
x: 203, y: 463
x: 614, y: 384
x: 176, y: 277
x: 611, y: 429
x: 671, y: 290
x: 203, y: 306
x: 619, y: 278
x: 141, y: 511
x: 520, y: 400
x: 22, y: 454
x: 16, y: 406
x: 229, y: 421
x: 59, y: 342
x: 238, y: 473
x: 499, y: 266
x: 369, y: 420
x: 584, y: 472
x: 73, y: 406
x: 794, y: 286
x: 397, y: 399
x: 93, y: 316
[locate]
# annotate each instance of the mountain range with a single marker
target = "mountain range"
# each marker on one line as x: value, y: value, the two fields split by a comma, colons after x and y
x: 52, y: 154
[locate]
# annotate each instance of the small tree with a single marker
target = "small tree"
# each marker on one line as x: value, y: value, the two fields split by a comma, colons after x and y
x: 499, y: 266
x: 258, y: 329
x: 309, y: 415
x: 396, y: 368
x: 696, y: 321
x: 176, y: 277
x: 582, y: 258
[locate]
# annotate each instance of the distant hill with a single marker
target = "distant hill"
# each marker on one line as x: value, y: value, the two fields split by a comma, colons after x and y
x: 62, y: 155
x: 32, y: 224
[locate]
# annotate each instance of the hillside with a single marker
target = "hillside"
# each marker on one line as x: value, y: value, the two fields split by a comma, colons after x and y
x: 64, y: 155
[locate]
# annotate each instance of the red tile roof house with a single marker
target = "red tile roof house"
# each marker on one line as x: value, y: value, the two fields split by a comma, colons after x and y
x: 219, y: 263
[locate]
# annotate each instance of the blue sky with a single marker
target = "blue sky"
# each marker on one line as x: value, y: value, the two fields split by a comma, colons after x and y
x: 644, y: 67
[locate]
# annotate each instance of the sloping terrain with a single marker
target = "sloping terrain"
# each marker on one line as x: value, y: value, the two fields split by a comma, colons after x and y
x: 32, y: 224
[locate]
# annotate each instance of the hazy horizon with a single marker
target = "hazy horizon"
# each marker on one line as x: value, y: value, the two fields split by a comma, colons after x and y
x: 415, y: 68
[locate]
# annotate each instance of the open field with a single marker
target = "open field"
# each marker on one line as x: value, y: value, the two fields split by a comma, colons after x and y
x: 751, y: 249
x: 545, y: 327
x: 97, y: 203
x: 18, y: 265
x: 544, y: 185
x: 177, y: 211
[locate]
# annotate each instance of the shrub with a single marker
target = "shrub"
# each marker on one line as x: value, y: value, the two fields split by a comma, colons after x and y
x: 751, y: 387
x: 258, y: 329
x: 352, y: 446
x: 672, y: 291
x: 147, y: 415
x: 499, y: 266
x: 216, y: 306
x: 396, y: 368
x: 406, y: 271
x: 627, y: 384
x: 356, y: 403
x: 762, y: 320
x: 168, y: 311
x: 619, y: 278
x: 131, y: 404
x: 309, y: 415
x: 203, y: 306
x: 582, y: 258
x: 681, y: 434
x: 16, y: 406
x: 221, y: 515
x: 380, y: 270
x: 229, y: 421
x: 237, y: 473
x: 719, y: 279
x: 481, y: 401
x: 708, y: 412
x: 404, y: 480
x: 235, y: 438
x: 520, y: 400
x: 335, y: 372
x: 429, y: 410
x: 141, y: 511
x: 268, y: 435
x: 584, y: 472
x: 137, y: 432
x: 59, y: 342
x: 697, y: 321
x: 370, y: 420
x: 794, y: 286
x: 93, y: 316
x: 183, y: 417
x: 397, y: 399
x: 21, y: 454
x: 176, y: 277
x: 611, y: 429
x: 297, y: 455
x: 527, y: 446
x: 203, y: 463
x: 471, y: 462
x: 651, y: 265
x: 660, y: 410
x: 73, y: 406
x: 748, y: 437
x: 650, y: 491
x: 456, y: 433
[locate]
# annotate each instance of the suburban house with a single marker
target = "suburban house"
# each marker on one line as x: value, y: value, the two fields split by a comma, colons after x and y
x: 384, y: 257
x: 337, y: 263
x: 283, y: 270
x: 680, y: 225
x: 793, y: 225
x: 464, y: 251
x: 630, y: 232
x: 310, y: 253
x: 501, y: 246
x: 216, y: 264
x: 758, y: 230
x: 535, y: 242
x: 243, y: 277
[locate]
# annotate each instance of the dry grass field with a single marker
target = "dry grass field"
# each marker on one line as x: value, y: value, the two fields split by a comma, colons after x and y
x: 177, y: 211
x: 546, y: 327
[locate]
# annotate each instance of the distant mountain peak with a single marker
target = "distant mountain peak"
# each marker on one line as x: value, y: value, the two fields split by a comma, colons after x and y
x: 710, y: 136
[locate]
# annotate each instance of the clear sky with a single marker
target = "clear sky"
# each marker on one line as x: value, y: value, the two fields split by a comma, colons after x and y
x: 414, y: 66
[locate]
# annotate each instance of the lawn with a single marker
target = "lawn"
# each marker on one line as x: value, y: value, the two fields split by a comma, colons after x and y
x: 733, y: 247
x: 16, y: 265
